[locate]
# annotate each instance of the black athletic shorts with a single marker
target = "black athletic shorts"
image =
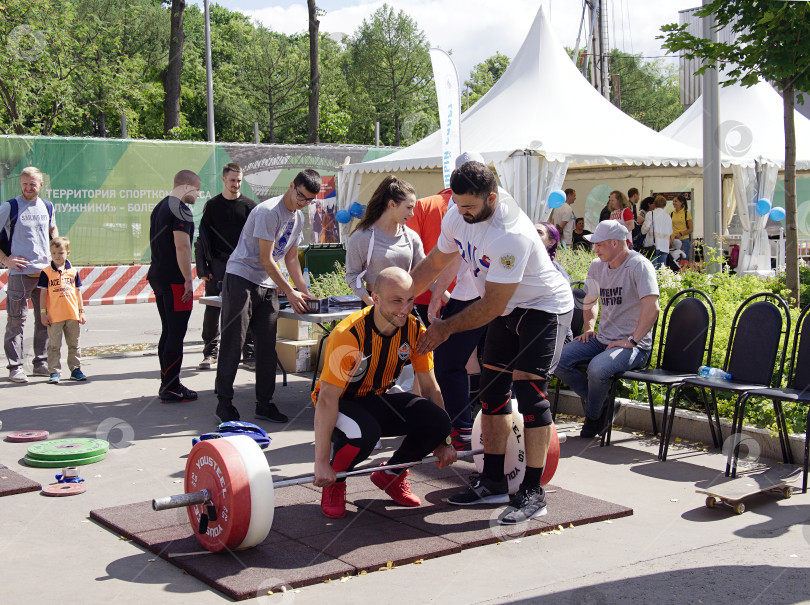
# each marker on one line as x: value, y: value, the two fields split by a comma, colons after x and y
x: 527, y: 340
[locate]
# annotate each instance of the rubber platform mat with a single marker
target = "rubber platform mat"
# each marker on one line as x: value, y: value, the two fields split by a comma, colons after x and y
x: 13, y: 483
x: 305, y: 548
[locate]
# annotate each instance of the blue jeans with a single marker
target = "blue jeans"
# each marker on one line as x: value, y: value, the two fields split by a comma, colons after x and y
x: 686, y: 246
x: 659, y: 258
x: 450, y: 359
x: 593, y: 386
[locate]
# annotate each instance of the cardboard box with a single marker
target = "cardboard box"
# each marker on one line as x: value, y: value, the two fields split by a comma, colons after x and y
x: 292, y: 329
x: 296, y: 355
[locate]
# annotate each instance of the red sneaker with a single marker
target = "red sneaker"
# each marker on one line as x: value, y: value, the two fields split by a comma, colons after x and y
x: 333, y: 500
x: 396, y: 486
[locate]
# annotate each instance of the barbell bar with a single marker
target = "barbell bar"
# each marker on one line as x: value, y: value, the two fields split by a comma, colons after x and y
x: 229, y: 488
x: 203, y: 496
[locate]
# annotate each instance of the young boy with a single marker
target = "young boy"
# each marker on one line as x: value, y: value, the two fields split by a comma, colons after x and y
x: 63, y: 310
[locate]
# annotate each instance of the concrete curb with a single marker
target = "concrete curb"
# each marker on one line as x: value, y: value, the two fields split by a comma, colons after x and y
x: 692, y: 426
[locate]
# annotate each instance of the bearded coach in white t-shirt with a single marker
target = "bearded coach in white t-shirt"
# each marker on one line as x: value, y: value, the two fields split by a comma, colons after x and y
x: 528, y: 306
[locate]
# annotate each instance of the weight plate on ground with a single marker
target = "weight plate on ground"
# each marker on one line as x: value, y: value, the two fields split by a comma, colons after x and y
x: 26, y: 436
x: 552, y: 458
x: 64, y: 489
x: 216, y: 465
x: 60, y: 463
x: 262, y: 501
x: 515, y: 461
x: 68, y: 449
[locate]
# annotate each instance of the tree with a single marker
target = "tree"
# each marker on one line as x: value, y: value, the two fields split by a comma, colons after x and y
x: 389, y: 70
x: 647, y: 91
x: 275, y: 69
x: 773, y: 42
x: 62, y: 69
x: 171, y: 76
x: 483, y: 77
x: 313, y: 116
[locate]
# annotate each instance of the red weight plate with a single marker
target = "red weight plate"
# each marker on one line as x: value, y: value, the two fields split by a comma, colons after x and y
x: 64, y: 489
x: 217, y: 466
x: 26, y: 436
x: 552, y: 458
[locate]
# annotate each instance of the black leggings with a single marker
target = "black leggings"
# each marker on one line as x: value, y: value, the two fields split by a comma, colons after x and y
x: 173, y: 331
x: 362, y: 421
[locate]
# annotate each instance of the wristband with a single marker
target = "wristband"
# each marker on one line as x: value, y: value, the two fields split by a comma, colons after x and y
x: 43, y: 311
x: 632, y: 341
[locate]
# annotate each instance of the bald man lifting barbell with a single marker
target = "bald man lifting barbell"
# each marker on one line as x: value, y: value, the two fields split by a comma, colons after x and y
x: 355, y: 403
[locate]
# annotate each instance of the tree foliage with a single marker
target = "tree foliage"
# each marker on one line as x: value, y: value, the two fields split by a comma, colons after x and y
x: 772, y: 42
x: 390, y: 73
x: 483, y: 77
x: 73, y: 67
x: 647, y: 91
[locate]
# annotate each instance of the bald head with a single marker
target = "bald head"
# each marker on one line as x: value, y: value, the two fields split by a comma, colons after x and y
x: 392, y: 276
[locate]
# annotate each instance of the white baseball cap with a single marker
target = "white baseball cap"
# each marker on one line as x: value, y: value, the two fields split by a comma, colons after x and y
x: 469, y: 156
x: 609, y: 229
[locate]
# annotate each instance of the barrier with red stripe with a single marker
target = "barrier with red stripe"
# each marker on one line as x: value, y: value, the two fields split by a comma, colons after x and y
x: 117, y: 285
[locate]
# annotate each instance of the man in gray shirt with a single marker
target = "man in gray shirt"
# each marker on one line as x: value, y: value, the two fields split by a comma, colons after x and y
x: 272, y: 232
x: 624, y: 283
x: 29, y: 254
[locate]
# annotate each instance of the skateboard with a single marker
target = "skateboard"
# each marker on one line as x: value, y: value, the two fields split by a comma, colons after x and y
x: 730, y: 491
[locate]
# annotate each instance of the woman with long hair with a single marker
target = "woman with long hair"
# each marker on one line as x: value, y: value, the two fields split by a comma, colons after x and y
x: 682, y: 223
x: 621, y: 210
x: 550, y: 235
x: 381, y: 238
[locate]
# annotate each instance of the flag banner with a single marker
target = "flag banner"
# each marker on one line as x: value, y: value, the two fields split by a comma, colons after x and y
x: 447, y: 94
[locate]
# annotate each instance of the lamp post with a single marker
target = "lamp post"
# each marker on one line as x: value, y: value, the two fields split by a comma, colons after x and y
x: 209, y: 82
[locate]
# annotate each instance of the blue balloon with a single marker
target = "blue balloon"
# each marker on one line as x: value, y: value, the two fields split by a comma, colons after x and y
x: 778, y: 214
x: 357, y: 209
x: 343, y: 216
x: 556, y: 198
x: 763, y: 207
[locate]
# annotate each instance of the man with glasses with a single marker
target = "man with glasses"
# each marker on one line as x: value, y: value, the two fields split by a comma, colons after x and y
x: 171, y: 230
x: 273, y: 231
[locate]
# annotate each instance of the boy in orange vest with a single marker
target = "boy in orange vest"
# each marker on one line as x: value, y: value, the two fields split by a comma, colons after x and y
x: 63, y: 311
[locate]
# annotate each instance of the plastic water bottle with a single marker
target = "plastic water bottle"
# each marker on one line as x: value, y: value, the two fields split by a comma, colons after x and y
x: 709, y: 372
x: 307, y: 283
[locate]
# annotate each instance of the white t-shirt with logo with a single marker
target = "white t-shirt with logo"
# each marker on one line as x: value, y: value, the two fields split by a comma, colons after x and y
x: 565, y: 213
x: 506, y: 249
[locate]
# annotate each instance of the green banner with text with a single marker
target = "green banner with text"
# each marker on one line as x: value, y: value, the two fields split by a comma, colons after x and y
x: 104, y: 190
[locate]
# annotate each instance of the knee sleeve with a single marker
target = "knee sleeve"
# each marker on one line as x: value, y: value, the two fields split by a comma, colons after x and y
x: 496, y: 392
x: 532, y: 403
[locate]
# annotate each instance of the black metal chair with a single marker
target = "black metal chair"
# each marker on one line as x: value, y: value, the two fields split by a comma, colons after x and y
x: 761, y: 327
x: 797, y: 390
x: 685, y: 343
x: 577, y: 322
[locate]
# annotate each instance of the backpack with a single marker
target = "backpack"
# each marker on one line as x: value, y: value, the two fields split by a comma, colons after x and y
x: 7, y: 234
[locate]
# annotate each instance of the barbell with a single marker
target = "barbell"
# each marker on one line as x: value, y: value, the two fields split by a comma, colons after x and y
x: 230, y: 489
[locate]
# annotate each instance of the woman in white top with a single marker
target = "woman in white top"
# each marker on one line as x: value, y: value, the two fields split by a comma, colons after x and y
x: 658, y: 227
x: 381, y: 238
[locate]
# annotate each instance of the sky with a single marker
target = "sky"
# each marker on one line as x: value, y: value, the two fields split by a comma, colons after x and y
x: 476, y: 29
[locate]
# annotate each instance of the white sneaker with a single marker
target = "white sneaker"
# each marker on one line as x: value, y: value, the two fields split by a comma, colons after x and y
x: 16, y: 374
x: 207, y: 362
x: 41, y: 371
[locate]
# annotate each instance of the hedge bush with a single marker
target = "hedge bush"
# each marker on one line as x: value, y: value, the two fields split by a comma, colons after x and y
x: 727, y: 291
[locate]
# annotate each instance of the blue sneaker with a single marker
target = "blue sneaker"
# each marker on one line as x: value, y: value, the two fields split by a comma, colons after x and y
x: 54, y: 378
x: 76, y: 374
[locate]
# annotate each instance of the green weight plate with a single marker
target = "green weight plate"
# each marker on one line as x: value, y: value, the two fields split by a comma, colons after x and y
x: 58, y: 463
x: 68, y: 449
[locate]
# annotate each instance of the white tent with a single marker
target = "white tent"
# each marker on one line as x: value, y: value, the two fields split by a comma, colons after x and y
x: 540, y: 118
x: 752, y: 142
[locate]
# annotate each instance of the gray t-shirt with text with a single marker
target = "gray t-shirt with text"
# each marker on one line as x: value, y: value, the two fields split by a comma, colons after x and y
x: 270, y: 221
x: 31, y: 238
x: 620, y: 292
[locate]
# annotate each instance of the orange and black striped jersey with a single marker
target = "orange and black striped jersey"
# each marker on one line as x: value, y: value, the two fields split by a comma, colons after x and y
x: 362, y: 362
